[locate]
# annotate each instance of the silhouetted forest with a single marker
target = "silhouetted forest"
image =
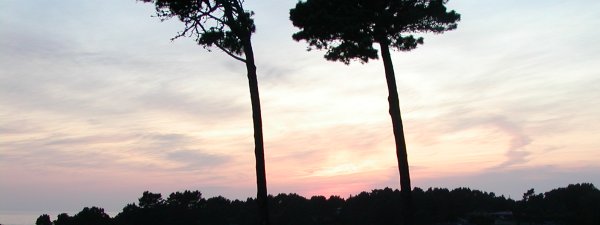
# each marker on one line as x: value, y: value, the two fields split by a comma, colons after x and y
x: 577, y: 204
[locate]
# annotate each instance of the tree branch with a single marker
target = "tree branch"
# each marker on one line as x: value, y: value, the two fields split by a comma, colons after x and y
x: 217, y: 44
x: 230, y: 53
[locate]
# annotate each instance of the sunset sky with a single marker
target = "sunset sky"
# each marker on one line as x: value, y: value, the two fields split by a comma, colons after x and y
x: 97, y: 105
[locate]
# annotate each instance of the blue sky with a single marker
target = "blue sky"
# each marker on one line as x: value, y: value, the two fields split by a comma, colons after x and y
x: 98, y: 105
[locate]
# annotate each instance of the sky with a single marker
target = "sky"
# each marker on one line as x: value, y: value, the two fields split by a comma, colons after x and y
x: 97, y: 105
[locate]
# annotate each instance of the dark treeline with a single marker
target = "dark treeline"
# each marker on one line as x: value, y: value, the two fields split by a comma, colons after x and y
x: 575, y: 204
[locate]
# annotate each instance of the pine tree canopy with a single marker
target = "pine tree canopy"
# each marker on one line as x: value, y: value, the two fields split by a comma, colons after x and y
x: 347, y: 29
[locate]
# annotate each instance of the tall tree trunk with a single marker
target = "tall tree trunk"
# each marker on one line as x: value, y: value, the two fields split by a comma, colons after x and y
x: 394, y: 102
x: 259, y: 150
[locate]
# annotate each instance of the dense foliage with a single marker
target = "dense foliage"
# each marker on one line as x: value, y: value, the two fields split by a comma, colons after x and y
x: 348, y: 29
x: 576, y: 204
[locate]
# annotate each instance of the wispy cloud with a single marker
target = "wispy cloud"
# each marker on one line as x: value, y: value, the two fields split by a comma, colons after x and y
x: 97, y: 94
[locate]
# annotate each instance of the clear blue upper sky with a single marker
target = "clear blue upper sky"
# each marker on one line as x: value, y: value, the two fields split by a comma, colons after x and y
x: 97, y: 105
